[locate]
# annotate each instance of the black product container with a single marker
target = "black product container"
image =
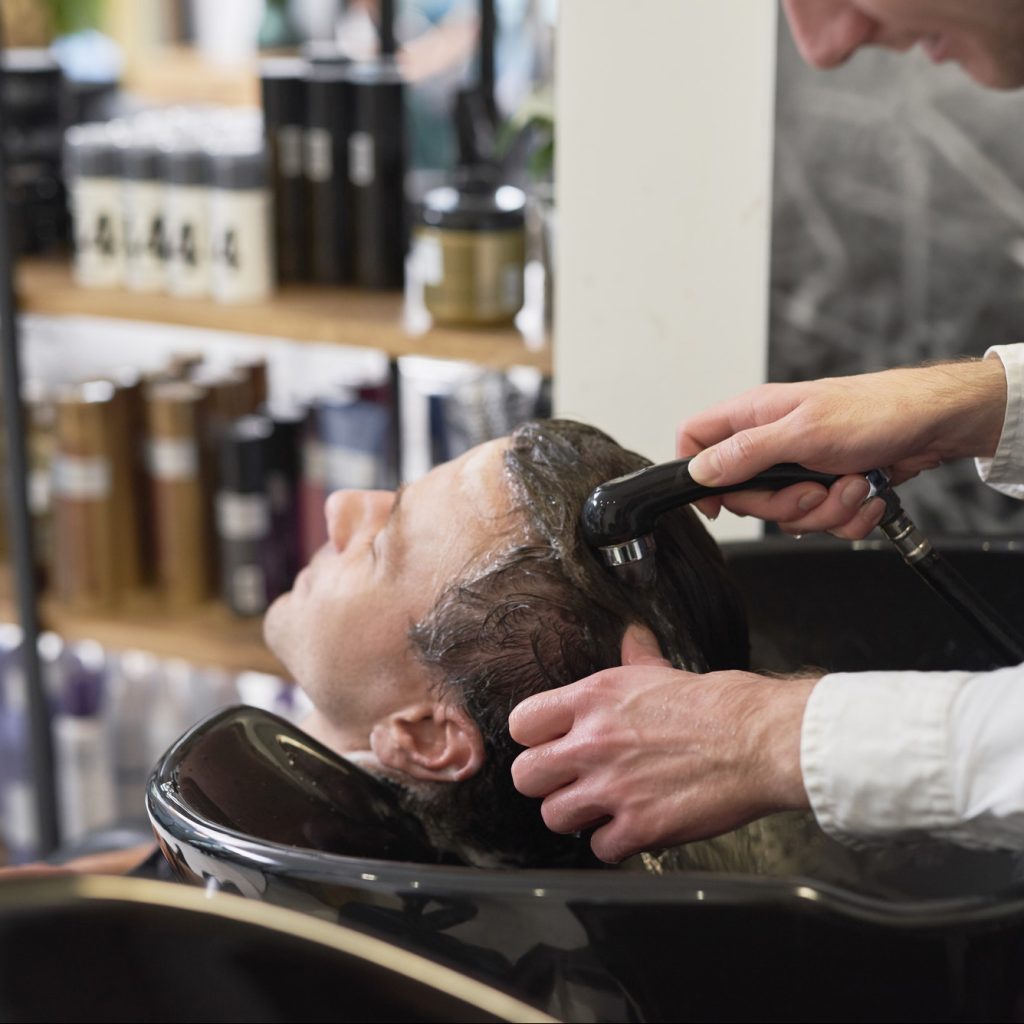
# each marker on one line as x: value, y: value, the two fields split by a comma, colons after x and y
x: 377, y: 160
x: 243, y: 513
x: 283, y: 555
x: 283, y: 88
x: 33, y: 102
x: 325, y: 158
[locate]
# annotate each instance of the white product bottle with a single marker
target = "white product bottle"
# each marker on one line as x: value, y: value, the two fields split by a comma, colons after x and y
x: 91, y: 170
x: 241, y: 224
x: 143, y: 198
x: 186, y: 218
x: 131, y: 692
x: 82, y: 749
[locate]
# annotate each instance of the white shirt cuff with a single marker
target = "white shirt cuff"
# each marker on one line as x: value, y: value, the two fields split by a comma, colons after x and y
x: 1005, y: 470
x: 874, y: 754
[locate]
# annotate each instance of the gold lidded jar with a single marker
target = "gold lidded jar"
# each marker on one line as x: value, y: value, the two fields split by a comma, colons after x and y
x: 471, y: 252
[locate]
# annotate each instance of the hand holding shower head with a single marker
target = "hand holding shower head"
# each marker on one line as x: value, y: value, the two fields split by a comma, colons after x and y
x: 619, y: 518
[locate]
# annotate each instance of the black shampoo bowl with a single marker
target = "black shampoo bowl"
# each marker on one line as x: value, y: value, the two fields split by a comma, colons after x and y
x: 248, y: 803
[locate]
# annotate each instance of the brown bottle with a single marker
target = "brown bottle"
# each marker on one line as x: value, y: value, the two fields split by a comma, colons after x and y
x: 180, y: 505
x: 41, y: 438
x: 86, y: 546
x: 129, y: 486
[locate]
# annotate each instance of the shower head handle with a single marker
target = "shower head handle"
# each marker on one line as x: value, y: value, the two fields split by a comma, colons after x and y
x: 626, y: 508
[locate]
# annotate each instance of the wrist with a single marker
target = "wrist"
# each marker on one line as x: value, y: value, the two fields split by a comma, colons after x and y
x: 780, y: 744
x: 975, y: 392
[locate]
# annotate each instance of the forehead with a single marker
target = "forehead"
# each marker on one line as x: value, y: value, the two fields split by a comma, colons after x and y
x: 459, y: 509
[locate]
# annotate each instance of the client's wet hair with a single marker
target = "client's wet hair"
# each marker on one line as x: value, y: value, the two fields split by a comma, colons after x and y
x: 545, y: 612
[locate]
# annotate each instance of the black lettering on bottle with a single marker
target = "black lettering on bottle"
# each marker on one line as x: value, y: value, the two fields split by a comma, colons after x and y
x: 187, y: 248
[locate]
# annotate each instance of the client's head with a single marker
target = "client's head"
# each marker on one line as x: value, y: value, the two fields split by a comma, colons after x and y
x: 431, y: 613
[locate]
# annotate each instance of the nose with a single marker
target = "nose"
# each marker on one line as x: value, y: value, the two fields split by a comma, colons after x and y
x: 351, y: 512
x: 828, y: 32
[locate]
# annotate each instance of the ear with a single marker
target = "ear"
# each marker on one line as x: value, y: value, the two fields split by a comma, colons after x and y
x: 432, y: 742
x: 640, y: 646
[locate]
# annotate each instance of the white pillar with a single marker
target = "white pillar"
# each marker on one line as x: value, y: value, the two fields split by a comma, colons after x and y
x: 665, y: 114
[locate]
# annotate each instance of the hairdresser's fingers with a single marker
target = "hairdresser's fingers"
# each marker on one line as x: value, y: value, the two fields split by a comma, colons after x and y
x: 573, y: 809
x: 544, y: 716
x: 867, y: 518
x: 617, y: 840
x: 640, y: 647
x: 709, y: 507
x: 790, y: 503
x: 839, y: 508
x: 744, y: 455
x: 542, y: 770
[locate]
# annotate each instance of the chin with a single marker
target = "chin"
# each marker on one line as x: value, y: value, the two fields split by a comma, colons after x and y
x: 276, y: 632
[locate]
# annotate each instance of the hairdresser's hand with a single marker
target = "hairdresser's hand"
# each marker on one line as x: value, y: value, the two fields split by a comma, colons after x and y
x: 902, y: 420
x: 660, y: 756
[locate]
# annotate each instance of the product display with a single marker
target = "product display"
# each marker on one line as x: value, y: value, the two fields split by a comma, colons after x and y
x: 325, y: 156
x: 180, y: 506
x: 283, y: 85
x: 377, y: 161
x: 240, y: 224
x: 243, y: 514
x: 33, y: 102
x: 471, y: 252
x: 86, y: 547
x: 113, y: 715
x: 91, y: 168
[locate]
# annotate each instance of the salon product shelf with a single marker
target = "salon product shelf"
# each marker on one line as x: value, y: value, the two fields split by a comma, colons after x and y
x: 206, y: 636
x: 378, y: 320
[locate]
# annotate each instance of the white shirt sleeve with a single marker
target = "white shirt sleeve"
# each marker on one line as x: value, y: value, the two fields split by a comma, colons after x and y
x: 912, y: 755
x: 1005, y: 470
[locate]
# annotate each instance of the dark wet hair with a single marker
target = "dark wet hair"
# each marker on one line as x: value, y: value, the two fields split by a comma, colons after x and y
x: 545, y: 612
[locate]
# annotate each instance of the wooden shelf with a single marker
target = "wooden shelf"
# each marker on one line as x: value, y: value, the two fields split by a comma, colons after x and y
x: 206, y: 636
x: 342, y: 316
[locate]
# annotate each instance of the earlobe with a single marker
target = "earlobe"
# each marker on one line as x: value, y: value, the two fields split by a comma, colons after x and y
x: 430, y: 742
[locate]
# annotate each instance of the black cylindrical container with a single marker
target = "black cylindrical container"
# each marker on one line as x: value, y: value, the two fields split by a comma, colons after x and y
x: 243, y: 513
x: 33, y: 103
x: 283, y: 554
x: 376, y: 170
x: 325, y: 155
x: 283, y: 86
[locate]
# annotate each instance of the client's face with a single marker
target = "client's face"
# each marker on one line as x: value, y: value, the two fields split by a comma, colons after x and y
x: 342, y: 630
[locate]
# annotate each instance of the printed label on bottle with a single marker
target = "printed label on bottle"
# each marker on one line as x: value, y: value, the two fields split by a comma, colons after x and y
x: 430, y: 255
x: 362, y: 163
x: 242, y: 268
x: 188, y: 240
x: 82, y: 477
x: 289, y: 150
x: 145, y: 236
x: 248, y: 589
x: 99, y: 242
x: 319, y: 155
x: 172, y: 458
x: 242, y: 517
x: 348, y: 467
x: 314, y: 461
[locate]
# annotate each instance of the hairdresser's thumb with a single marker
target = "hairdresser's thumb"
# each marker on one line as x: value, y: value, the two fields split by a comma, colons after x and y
x: 640, y: 647
x: 739, y: 457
